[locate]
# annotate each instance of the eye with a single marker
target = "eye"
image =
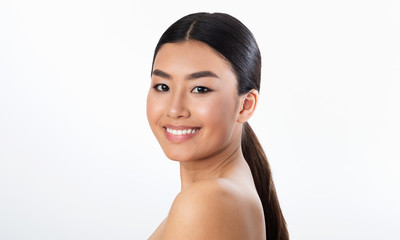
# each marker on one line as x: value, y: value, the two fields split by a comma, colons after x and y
x: 161, y: 87
x: 201, y: 90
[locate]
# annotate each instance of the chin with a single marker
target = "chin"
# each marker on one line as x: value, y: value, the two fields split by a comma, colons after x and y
x: 179, y: 157
x: 179, y: 152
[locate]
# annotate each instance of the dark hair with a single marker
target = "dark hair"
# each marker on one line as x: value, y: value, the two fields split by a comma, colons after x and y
x: 234, y: 41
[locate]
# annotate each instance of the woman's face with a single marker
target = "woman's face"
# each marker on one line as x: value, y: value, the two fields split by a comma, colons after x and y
x: 192, y: 104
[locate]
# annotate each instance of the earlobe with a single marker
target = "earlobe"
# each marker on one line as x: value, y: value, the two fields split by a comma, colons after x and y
x: 248, y: 105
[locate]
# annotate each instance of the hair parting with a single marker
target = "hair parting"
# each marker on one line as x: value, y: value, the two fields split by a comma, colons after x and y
x: 187, y: 37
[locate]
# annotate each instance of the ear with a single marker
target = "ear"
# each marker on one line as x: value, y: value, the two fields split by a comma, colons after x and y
x: 248, y: 103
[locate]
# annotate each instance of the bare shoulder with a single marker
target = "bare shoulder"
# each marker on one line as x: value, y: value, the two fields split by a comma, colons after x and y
x: 211, y: 209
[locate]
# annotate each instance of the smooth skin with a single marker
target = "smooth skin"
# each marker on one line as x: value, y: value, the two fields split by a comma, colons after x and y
x: 194, y: 87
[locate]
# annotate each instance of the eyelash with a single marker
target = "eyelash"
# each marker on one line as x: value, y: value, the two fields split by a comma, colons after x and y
x: 200, y: 89
x: 156, y: 87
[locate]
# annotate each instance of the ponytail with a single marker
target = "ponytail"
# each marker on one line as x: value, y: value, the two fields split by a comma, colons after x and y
x: 256, y: 159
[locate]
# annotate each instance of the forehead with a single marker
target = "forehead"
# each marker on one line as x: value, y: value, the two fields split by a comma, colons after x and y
x: 190, y: 56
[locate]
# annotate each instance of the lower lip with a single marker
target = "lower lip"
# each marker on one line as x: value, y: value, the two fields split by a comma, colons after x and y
x: 179, y: 138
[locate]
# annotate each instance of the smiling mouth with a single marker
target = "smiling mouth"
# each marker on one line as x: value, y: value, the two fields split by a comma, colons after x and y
x: 181, y: 131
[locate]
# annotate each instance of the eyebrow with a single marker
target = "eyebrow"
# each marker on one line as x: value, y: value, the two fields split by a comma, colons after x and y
x: 191, y: 76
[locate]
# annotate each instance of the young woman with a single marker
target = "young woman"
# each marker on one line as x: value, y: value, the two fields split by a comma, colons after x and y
x: 205, y: 83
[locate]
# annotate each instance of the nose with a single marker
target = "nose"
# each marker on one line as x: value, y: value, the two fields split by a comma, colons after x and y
x: 177, y: 107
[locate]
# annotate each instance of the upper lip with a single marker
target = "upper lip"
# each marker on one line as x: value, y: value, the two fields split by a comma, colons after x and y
x: 179, y: 127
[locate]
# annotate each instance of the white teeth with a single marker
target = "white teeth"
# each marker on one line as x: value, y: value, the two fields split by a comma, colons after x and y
x: 181, y: 132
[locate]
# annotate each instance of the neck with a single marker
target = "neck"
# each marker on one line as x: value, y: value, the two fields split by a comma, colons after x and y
x: 216, y: 166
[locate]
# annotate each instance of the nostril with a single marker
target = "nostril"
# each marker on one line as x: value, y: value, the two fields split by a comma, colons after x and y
x: 178, y: 111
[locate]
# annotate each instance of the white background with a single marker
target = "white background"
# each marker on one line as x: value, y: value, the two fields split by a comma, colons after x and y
x: 78, y: 159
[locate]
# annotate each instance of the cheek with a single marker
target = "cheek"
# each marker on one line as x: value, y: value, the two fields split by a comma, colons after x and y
x: 153, y: 109
x: 218, y: 112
